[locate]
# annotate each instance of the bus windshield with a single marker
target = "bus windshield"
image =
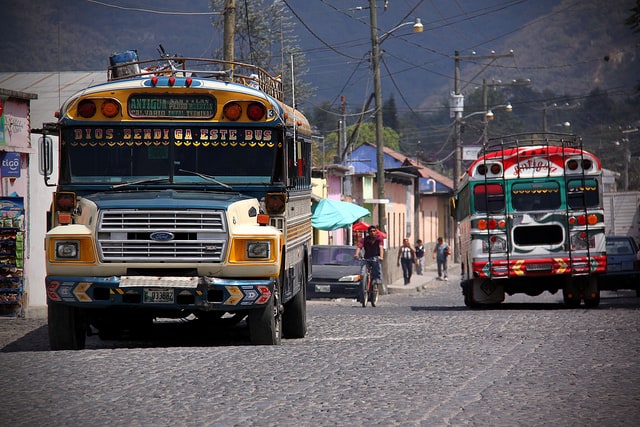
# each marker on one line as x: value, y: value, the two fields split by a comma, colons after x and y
x: 186, y: 161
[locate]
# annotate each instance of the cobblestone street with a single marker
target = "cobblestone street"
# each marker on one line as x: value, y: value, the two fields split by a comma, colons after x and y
x: 419, y: 358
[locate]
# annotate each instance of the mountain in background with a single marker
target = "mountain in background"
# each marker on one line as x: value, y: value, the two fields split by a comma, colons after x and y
x: 566, y: 47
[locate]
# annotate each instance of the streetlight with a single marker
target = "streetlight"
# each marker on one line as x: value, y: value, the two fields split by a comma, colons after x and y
x: 554, y: 106
x: 375, y: 63
x: 457, y: 107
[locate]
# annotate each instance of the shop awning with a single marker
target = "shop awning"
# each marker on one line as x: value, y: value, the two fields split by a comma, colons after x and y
x: 333, y: 214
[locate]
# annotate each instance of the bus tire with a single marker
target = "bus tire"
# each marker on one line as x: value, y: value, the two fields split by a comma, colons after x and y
x: 570, y: 294
x: 294, y: 317
x: 67, y: 327
x: 591, y: 293
x: 265, y: 323
x: 467, y: 291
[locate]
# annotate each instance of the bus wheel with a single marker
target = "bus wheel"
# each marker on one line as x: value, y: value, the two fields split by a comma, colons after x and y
x: 265, y: 323
x: 67, y: 327
x: 570, y: 294
x: 294, y: 317
x: 591, y: 293
x: 467, y: 291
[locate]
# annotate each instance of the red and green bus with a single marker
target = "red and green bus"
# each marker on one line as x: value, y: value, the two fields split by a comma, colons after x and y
x: 531, y: 220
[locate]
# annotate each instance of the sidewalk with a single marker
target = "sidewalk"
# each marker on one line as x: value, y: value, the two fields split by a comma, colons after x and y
x: 420, y: 282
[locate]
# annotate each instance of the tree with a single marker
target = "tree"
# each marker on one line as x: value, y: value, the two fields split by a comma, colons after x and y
x: 633, y: 21
x: 264, y: 36
x: 390, y: 114
x: 366, y: 132
x: 324, y: 119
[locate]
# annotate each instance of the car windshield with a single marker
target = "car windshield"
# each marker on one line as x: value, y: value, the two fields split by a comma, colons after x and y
x: 333, y: 256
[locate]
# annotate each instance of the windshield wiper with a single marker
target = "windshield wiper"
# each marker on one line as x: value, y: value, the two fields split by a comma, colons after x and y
x: 140, y: 181
x: 207, y: 177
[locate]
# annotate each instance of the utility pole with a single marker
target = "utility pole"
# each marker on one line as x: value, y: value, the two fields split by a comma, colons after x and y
x: 457, y: 166
x: 457, y: 150
x: 342, y: 138
x: 375, y: 58
x: 229, y: 33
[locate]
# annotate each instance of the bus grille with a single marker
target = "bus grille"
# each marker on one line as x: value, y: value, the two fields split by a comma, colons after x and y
x: 155, y: 236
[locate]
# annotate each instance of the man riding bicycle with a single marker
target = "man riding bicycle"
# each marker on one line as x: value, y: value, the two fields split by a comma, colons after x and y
x: 372, y: 244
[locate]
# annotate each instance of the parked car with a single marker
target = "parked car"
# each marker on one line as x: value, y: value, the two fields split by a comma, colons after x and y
x: 335, y: 273
x: 623, y: 265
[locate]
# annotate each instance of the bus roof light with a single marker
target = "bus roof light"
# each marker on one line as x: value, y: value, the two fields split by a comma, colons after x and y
x: 154, y: 81
x: 572, y: 164
x: 172, y: 81
x: 110, y: 108
x: 232, y: 111
x: 87, y: 108
x: 255, y: 111
x: 188, y: 81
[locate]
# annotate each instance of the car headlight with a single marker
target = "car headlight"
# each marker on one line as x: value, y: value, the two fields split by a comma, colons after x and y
x: 350, y: 278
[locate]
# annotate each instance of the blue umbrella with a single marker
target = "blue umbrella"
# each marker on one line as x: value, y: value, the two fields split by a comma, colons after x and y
x: 333, y: 214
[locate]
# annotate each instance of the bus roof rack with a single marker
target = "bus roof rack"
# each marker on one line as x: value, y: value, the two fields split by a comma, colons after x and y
x: 531, y: 139
x: 126, y: 65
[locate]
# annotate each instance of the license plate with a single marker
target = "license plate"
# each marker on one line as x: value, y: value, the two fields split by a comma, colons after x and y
x: 323, y: 288
x: 158, y: 295
x: 539, y: 267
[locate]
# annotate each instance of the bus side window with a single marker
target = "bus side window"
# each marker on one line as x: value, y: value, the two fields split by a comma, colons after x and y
x: 488, y: 198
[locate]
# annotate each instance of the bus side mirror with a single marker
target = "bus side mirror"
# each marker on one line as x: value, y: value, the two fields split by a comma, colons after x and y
x: 45, y: 154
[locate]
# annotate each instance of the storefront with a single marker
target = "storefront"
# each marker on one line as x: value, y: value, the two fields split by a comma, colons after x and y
x: 15, y: 155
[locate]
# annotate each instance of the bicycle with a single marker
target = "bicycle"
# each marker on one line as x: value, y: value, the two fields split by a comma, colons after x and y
x: 369, y: 291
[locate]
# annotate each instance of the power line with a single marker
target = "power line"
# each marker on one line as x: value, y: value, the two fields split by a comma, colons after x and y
x: 158, y: 12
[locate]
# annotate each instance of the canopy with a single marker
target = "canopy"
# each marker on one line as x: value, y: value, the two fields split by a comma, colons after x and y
x: 363, y: 226
x: 360, y: 226
x: 331, y: 214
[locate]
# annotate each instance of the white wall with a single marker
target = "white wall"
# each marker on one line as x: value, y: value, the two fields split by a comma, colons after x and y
x: 39, y: 203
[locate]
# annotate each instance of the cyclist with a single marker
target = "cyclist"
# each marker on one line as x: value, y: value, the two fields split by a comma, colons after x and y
x: 372, y: 244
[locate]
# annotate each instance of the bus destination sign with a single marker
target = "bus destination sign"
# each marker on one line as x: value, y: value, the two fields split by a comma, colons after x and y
x: 171, y: 106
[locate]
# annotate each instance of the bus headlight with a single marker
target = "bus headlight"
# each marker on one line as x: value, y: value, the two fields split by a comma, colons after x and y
x: 243, y: 250
x: 80, y: 249
x: 258, y: 249
x: 68, y: 250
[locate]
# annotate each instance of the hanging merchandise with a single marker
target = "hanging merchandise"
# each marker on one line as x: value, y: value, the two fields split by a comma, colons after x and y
x: 11, y: 256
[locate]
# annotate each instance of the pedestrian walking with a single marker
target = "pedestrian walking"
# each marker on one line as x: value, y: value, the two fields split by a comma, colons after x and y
x: 406, y: 256
x: 441, y: 254
x: 419, y: 257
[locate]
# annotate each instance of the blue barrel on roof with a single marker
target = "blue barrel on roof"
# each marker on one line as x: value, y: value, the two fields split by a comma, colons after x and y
x: 124, y: 63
